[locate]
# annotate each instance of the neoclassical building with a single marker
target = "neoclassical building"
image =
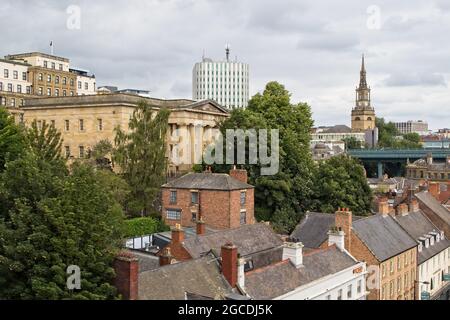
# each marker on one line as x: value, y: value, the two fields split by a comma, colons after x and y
x: 363, y: 114
x: 86, y: 120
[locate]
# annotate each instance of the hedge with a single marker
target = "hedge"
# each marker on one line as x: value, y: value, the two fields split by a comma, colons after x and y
x: 143, y: 226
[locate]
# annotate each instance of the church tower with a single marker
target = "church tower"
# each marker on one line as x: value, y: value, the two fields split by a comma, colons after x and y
x: 363, y: 115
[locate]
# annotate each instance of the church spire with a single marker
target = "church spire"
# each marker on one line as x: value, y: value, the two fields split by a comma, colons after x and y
x: 362, y: 76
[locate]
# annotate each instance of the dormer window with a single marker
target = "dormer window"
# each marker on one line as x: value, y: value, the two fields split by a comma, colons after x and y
x: 420, y: 247
x: 427, y: 243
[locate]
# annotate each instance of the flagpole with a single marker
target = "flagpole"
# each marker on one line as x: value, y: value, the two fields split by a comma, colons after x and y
x: 51, y: 47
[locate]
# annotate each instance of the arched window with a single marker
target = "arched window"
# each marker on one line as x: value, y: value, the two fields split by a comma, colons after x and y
x: 369, y: 119
x: 357, y: 119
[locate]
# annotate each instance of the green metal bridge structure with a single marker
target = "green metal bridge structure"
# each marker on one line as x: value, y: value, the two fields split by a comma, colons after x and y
x: 383, y: 156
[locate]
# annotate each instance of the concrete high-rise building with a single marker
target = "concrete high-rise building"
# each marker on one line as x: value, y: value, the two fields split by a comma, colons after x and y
x: 226, y: 82
x: 420, y: 127
x: 363, y: 115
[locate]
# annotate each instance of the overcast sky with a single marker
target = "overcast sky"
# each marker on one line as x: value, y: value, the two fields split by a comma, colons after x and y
x: 312, y: 47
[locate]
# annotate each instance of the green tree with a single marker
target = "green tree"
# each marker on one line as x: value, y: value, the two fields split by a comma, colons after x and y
x: 101, y: 154
x: 352, y: 143
x: 141, y: 155
x: 12, y: 141
x: 390, y: 137
x: 284, y: 196
x: 45, y: 142
x: 50, y: 220
x: 341, y: 182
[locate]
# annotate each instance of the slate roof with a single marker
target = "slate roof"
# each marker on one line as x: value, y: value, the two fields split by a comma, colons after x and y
x: 146, y: 261
x: 280, y: 278
x: 418, y: 225
x: 340, y: 128
x: 207, y: 181
x: 428, y: 200
x: 201, y: 277
x: 383, y: 236
x: 312, y: 231
x: 249, y: 239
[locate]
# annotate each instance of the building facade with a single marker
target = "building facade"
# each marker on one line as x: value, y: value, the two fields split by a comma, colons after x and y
x: 433, y: 255
x: 49, y: 74
x: 420, y: 127
x: 86, y: 84
x: 391, y: 255
x: 14, y: 84
x: 428, y: 169
x: 222, y: 201
x: 86, y: 120
x: 363, y: 114
x: 226, y: 82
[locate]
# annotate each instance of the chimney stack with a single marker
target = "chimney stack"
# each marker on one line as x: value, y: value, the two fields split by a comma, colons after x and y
x: 239, y: 174
x: 383, y: 207
x: 126, y: 267
x: 434, y: 189
x: 402, y: 209
x: 177, y: 234
x: 241, y: 273
x: 413, y: 205
x: 343, y: 221
x: 201, y: 228
x: 229, y: 255
x: 166, y: 257
x: 337, y: 237
x: 294, y: 252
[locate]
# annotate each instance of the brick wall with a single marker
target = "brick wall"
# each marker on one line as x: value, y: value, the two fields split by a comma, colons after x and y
x: 219, y: 209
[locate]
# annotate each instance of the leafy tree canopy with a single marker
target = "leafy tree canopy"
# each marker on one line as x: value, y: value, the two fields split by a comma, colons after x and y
x: 341, y: 182
x: 141, y: 155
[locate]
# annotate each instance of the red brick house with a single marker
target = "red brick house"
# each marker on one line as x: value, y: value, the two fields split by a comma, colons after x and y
x: 222, y: 201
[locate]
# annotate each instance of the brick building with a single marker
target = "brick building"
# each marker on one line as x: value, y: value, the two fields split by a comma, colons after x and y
x: 221, y: 200
x: 388, y: 250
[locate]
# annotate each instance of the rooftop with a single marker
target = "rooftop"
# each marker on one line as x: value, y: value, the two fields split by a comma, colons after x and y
x: 33, y: 54
x: 283, y: 277
x: 313, y: 229
x: 383, y: 236
x: 429, y: 201
x: 418, y: 225
x: 249, y: 239
x: 207, y: 181
x: 200, y: 277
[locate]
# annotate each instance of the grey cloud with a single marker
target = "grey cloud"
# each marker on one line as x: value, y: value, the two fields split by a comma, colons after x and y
x: 313, y: 47
x: 415, y: 79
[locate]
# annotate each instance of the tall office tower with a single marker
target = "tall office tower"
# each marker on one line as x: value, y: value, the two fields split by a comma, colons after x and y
x: 226, y: 82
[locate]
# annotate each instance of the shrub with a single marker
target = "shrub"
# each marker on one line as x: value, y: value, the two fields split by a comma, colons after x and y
x: 143, y: 226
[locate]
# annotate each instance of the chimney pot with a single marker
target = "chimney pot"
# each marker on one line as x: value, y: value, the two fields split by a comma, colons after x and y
x: 294, y: 252
x: 200, y: 227
x: 343, y: 221
x: 336, y: 237
x: 166, y: 257
x: 177, y: 234
x: 239, y: 174
x: 126, y: 267
x: 229, y: 254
